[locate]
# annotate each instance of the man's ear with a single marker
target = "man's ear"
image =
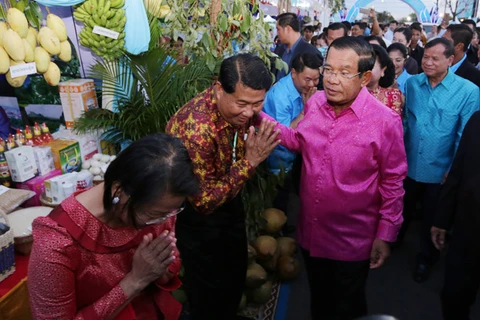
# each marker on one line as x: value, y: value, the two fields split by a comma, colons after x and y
x: 367, y: 76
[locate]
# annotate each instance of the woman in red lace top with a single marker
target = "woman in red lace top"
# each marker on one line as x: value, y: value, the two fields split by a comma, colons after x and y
x: 383, y: 77
x: 109, y: 252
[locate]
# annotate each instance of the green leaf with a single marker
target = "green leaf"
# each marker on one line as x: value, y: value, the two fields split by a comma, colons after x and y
x: 210, y: 61
x: 281, y: 65
x: 223, y: 23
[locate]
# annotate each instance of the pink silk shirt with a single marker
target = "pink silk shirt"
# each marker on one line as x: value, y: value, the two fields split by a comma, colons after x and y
x: 353, y: 168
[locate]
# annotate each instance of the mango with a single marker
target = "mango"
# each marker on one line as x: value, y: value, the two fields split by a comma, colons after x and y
x: 29, y: 56
x: 18, y: 22
x: 58, y: 26
x: 49, y: 40
x: 42, y: 59
x: 18, y: 81
x: 3, y: 28
x: 4, y: 61
x: 52, y: 76
x: 13, y: 44
x: 65, y: 51
x: 32, y: 37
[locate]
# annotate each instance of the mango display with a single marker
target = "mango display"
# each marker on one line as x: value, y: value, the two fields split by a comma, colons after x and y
x: 20, y: 43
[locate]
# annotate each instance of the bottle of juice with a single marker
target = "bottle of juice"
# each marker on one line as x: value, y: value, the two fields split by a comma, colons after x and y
x: 46, y: 135
x: 19, y: 138
x: 11, y: 142
x: 28, y: 136
x: 37, y: 135
x: 5, y: 178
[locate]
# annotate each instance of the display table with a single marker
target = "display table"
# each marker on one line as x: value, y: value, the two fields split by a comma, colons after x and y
x: 14, y: 302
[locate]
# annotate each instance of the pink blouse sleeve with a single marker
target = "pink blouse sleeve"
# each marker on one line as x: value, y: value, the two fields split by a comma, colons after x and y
x: 51, y: 278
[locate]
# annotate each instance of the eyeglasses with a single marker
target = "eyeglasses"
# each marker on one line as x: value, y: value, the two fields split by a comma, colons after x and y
x: 327, y: 73
x: 164, y: 218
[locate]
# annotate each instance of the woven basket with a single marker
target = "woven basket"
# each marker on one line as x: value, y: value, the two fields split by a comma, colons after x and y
x: 7, y: 251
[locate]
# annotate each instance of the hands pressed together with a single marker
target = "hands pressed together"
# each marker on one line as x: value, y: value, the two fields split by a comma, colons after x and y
x: 260, y: 144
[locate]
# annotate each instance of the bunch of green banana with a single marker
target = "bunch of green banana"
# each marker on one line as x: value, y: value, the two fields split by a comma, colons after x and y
x: 107, y: 14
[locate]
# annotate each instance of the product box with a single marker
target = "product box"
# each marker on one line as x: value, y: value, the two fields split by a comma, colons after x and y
x: 89, y: 143
x: 44, y: 160
x: 55, y: 187
x: 77, y: 96
x: 21, y: 162
x: 66, y: 155
x: 37, y: 185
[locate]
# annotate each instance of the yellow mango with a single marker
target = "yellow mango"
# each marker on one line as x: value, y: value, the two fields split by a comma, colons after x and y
x: 18, y: 81
x: 58, y: 26
x: 4, y: 61
x: 3, y: 28
x: 42, y: 59
x: 49, y: 40
x: 17, y: 21
x: 65, y: 52
x: 13, y: 44
x: 32, y: 37
x: 29, y: 57
x: 52, y: 76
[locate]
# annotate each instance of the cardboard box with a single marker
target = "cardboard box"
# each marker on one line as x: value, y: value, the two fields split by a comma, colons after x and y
x: 37, y: 185
x: 44, y: 160
x: 77, y: 96
x: 89, y: 143
x: 66, y: 155
x: 21, y: 162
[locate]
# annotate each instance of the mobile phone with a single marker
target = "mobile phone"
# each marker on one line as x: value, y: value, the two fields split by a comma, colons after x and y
x: 365, y: 10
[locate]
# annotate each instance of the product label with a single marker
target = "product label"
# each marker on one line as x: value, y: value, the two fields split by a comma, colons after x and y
x: 23, y: 69
x: 106, y: 32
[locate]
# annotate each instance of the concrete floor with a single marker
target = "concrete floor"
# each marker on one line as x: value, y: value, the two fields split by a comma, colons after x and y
x: 390, y: 290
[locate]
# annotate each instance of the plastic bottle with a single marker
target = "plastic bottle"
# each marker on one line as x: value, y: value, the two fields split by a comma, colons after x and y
x: 19, y: 138
x: 46, y: 135
x: 37, y: 135
x: 5, y: 178
x: 11, y: 142
x: 28, y: 136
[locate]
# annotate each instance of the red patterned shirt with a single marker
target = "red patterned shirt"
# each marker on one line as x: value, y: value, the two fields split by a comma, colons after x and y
x: 209, y: 140
x: 391, y: 97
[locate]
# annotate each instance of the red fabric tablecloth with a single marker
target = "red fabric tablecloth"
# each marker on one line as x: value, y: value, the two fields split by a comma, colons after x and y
x: 21, y: 266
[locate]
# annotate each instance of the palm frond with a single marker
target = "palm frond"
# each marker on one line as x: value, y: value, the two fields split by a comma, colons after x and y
x: 148, y: 89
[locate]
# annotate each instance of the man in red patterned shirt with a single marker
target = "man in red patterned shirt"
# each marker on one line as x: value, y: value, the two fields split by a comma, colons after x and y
x: 216, y: 128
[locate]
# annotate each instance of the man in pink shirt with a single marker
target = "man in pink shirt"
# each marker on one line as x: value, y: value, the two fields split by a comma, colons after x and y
x: 351, y: 188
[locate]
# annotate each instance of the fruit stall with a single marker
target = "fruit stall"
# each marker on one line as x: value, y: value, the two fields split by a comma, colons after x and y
x: 80, y: 80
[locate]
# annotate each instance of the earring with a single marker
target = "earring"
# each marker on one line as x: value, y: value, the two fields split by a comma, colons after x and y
x: 115, y: 200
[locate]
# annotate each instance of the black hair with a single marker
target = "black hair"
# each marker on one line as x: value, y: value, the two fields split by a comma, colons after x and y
x: 469, y: 22
x: 309, y: 28
x: 398, y: 47
x: 385, y: 62
x: 361, y: 47
x: 378, y: 39
x: 406, y: 32
x: 338, y: 26
x: 416, y: 26
x: 309, y: 60
x: 247, y: 69
x: 147, y: 170
x: 461, y: 33
x: 289, y: 19
x: 393, y: 21
x: 449, y: 51
x: 313, y: 41
x: 361, y: 25
x: 347, y: 24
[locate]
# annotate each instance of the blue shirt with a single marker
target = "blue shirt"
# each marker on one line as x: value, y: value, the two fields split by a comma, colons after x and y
x: 287, y: 57
x: 284, y: 103
x: 402, y: 78
x: 435, y: 118
x: 455, y: 67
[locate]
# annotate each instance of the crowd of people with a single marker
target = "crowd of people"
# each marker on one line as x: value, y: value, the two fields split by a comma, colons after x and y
x: 373, y: 144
